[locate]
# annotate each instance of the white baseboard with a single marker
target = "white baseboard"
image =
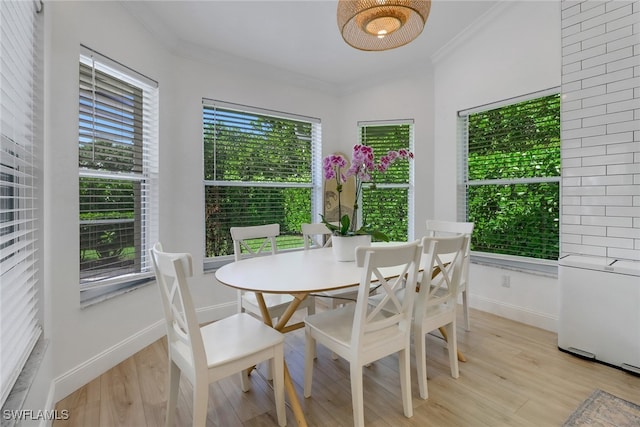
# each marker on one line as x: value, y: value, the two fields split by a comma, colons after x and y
x: 90, y: 369
x: 513, y: 312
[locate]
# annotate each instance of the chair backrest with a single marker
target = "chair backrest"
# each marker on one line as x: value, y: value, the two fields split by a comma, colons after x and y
x: 443, y: 263
x: 449, y: 228
x: 387, y: 314
x: 316, y: 235
x: 183, y: 330
x: 254, y: 240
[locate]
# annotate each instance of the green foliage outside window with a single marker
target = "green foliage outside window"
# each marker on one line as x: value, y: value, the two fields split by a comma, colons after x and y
x: 519, y: 145
x: 385, y: 206
x: 261, y: 166
x: 387, y: 209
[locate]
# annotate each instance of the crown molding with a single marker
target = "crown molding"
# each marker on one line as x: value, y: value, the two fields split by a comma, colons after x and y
x: 476, y: 26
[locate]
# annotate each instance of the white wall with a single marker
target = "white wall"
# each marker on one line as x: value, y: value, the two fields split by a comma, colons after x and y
x: 86, y: 342
x: 514, y: 51
x: 516, y: 54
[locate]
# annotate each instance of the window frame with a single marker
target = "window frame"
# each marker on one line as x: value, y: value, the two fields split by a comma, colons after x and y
x: 315, y: 186
x: 146, y: 226
x: 538, y: 266
x: 409, y: 186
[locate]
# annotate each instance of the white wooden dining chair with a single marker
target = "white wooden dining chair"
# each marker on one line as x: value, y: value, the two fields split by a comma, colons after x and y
x: 319, y: 236
x: 316, y: 235
x: 365, y: 332
x: 437, y: 300
x: 448, y: 228
x: 209, y: 353
x: 260, y: 240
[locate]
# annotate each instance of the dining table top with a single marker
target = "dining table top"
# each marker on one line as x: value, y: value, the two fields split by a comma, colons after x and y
x: 314, y: 270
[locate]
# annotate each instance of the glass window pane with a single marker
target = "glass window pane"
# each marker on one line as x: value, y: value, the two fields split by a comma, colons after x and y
x: 273, y: 158
x: 516, y: 219
x: 243, y: 206
x: 387, y: 210
x: 519, y: 145
x: 117, y: 156
x: 109, y: 241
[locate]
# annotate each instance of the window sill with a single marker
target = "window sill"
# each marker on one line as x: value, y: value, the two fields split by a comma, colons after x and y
x: 95, y: 295
x: 18, y: 394
x: 537, y: 267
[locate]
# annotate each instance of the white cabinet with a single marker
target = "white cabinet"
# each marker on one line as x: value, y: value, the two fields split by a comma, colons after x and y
x: 600, y: 310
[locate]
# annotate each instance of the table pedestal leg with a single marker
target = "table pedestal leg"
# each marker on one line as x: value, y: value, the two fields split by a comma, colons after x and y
x: 296, y: 408
x: 443, y: 331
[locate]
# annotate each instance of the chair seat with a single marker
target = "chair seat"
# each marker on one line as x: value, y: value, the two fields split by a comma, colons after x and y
x: 236, y: 337
x: 337, y: 325
x: 435, y: 307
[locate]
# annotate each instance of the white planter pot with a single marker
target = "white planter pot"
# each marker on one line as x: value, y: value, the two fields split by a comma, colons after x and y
x: 344, y: 247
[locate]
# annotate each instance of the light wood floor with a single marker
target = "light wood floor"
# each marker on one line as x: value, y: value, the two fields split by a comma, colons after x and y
x: 514, y: 376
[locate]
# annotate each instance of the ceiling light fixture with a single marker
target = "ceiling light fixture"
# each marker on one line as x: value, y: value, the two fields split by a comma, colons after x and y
x: 381, y: 24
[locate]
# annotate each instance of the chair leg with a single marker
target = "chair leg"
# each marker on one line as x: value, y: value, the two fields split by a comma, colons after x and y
x: 309, y: 346
x: 335, y: 304
x: 404, y: 366
x: 245, y: 384
x: 268, y: 373
x: 172, y: 400
x: 465, y: 309
x: 357, y: 398
x: 200, y: 401
x: 278, y: 385
x: 452, y: 345
x: 421, y: 360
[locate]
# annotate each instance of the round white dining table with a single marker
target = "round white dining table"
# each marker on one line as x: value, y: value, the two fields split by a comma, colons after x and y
x: 291, y: 272
x: 298, y: 273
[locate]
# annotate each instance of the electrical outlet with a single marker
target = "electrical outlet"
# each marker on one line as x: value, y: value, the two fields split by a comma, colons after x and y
x: 506, y: 281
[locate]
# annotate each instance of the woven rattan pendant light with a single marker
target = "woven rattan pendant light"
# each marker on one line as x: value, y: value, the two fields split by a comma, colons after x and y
x: 381, y: 24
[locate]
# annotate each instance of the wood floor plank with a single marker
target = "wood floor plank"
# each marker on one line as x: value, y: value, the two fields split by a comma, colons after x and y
x: 83, y: 406
x: 515, y: 376
x: 152, y: 369
x: 123, y: 407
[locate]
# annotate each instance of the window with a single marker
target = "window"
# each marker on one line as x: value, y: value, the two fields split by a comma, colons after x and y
x: 511, y: 183
x: 260, y: 167
x: 388, y: 206
x: 118, y: 175
x: 20, y: 188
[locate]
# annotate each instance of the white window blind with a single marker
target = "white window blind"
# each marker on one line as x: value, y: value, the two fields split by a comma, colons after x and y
x: 388, y: 206
x: 118, y: 160
x: 260, y: 167
x: 20, y: 169
x: 510, y: 180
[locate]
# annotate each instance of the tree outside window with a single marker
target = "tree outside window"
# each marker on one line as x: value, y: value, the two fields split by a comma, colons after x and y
x: 258, y: 169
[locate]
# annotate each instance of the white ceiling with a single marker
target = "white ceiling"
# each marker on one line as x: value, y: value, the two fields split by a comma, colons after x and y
x: 295, y: 36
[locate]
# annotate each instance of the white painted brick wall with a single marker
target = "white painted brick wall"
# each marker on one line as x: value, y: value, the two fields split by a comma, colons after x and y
x: 601, y: 128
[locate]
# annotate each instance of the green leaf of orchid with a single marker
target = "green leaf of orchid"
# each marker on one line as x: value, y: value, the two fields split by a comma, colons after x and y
x: 345, y: 222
